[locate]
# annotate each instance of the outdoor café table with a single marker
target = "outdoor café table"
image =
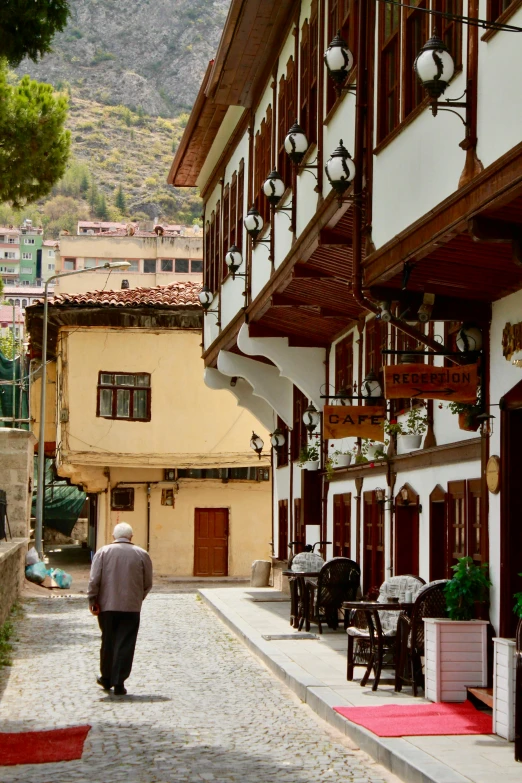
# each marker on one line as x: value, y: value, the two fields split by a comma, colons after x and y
x: 377, y: 637
x: 298, y: 607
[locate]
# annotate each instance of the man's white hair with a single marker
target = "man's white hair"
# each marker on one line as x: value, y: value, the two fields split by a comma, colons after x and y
x: 122, y: 530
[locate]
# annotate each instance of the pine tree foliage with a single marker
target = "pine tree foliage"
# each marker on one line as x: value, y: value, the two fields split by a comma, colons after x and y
x: 34, y: 145
x: 119, y: 201
x: 27, y: 27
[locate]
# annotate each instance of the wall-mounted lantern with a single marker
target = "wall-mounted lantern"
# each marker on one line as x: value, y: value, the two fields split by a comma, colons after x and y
x: 256, y: 444
x: 434, y: 67
x: 405, y: 496
x: 233, y: 260
x: 339, y: 62
x: 340, y: 169
x: 371, y: 388
x: 469, y: 339
x: 380, y: 495
x: 277, y: 438
x: 486, y: 424
x: 296, y: 143
x: 206, y: 297
x: 311, y: 418
x: 274, y: 188
x: 253, y: 223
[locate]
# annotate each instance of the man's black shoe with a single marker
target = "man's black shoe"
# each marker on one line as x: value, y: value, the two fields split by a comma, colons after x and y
x: 119, y: 690
x: 104, y: 683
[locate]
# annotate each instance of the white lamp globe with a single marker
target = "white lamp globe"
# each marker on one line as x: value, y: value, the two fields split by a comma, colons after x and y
x: 371, y: 386
x: 277, y: 439
x: 296, y: 143
x: 273, y: 187
x: 338, y: 59
x: 256, y: 444
x: 233, y: 259
x: 340, y: 168
x: 469, y: 338
x: 434, y: 66
x: 253, y: 223
x: 205, y: 297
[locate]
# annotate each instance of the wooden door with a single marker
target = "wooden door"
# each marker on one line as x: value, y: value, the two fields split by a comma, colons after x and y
x: 211, y: 542
x: 511, y: 510
x: 342, y: 524
x: 282, y: 549
x: 407, y: 539
x: 439, y: 566
x: 373, y: 557
x: 300, y: 527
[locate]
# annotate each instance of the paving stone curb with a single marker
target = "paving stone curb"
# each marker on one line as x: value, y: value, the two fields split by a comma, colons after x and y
x: 399, y: 756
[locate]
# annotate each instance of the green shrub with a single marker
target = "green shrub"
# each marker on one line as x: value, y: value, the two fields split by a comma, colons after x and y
x: 470, y: 584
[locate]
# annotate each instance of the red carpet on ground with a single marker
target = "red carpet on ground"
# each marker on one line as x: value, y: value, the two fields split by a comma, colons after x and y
x: 412, y: 720
x: 42, y: 747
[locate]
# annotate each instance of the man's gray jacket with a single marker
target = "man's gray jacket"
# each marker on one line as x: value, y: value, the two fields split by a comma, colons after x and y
x: 121, y: 577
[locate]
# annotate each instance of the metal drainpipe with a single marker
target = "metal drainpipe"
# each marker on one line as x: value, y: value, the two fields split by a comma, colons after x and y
x: 361, y: 109
x: 148, y: 517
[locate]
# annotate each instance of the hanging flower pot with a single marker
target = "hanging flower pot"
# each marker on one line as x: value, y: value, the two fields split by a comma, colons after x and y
x: 468, y: 422
x: 411, y: 442
x: 375, y: 451
x: 311, y: 465
x: 343, y: 460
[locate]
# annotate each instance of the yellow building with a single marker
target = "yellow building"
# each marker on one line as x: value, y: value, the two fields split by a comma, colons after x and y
x: 130, y: 419
x: 156, y: 257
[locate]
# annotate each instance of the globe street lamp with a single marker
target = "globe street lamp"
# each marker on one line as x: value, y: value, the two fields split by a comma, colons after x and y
x: 40, y: 490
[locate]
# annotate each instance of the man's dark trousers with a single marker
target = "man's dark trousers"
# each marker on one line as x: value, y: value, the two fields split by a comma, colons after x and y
x: 119, y: 634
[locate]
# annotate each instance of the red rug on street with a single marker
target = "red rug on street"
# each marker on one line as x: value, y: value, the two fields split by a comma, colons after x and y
x: 412, y: 720
x: 42, y: 747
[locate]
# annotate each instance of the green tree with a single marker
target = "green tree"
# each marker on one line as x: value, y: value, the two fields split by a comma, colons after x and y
x: 27, y: 27
x: 101, y: 208
x: 93, y: 197
x: 34, y: 145
x: 120, y: 201
x: 84, y: 184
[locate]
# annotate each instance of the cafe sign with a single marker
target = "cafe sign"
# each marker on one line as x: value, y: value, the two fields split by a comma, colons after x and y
x: 420, y: 381
x: 354, y: 421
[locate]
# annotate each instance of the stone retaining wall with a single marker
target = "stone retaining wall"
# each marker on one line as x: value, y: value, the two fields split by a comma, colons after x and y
x: 12, y: 566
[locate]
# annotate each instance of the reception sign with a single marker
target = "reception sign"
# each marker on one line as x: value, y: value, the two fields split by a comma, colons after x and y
x: 354, y: 421
x: 420, y: 381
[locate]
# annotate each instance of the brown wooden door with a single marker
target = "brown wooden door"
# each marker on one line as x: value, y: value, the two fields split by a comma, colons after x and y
x: 373, y: 559
x: 282, y: 549
x: 407, y: 539
x: 439, y: 568
x: 511, y: 511
x: 342, y: 519
x: 211, y: 542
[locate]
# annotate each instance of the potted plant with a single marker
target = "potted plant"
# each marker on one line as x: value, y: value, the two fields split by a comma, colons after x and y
x: 342, y: 459
x: 413, y: 428
x: 309, y: 457
x: 372, y: 449
x: 467, y: 415
x: 456, y: 648
x: 504, y: 680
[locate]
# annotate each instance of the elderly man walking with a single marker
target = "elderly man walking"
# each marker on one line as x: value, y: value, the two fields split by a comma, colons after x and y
x: 121, y: 577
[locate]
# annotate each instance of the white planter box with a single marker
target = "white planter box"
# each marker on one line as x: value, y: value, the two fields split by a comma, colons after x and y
x: 504, y: 687
x: 455, y: 658
x: 411, y: 442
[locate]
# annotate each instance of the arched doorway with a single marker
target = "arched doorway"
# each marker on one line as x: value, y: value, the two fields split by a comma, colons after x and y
x: 510, y: 507
x: 406, y: 531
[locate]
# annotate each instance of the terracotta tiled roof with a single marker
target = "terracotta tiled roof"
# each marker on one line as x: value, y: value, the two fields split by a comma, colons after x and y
x: 178, y: 294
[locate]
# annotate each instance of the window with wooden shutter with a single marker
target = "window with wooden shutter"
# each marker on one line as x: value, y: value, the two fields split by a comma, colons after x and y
x: 233, y: 210
x: 451, y: 29
x: 342, y: 521
x: 240, y: 207
x: 467, y: 529
x: 375, y: 340
x: 226, y: 229
x: 344, y: 364
x: 299, y: 435
x: 282, y: 549
x: 286, y: 116
x: 389, y: 69
x: 501, y: 8
x: 217, y: 249
x: 342, y: 17
x: 416, y: 31
x: 263, y: 164
x: 309, y: 69
x: 212, y: 252
x: 311, y: 496
x: 208, y: 254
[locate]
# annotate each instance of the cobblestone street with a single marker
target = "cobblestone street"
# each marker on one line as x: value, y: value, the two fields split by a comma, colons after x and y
x: 200, y: 707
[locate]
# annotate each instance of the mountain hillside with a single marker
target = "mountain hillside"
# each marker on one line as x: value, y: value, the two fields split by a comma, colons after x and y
x: 139, y: 53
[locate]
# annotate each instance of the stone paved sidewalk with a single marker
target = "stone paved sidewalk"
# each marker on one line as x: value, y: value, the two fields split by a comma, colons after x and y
x: 200, y: 707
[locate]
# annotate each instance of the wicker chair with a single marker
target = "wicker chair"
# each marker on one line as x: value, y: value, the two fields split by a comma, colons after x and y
x: 430, y: 602
x: 518, y: 695
x: 338, y: 581
x: 371, y: 638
